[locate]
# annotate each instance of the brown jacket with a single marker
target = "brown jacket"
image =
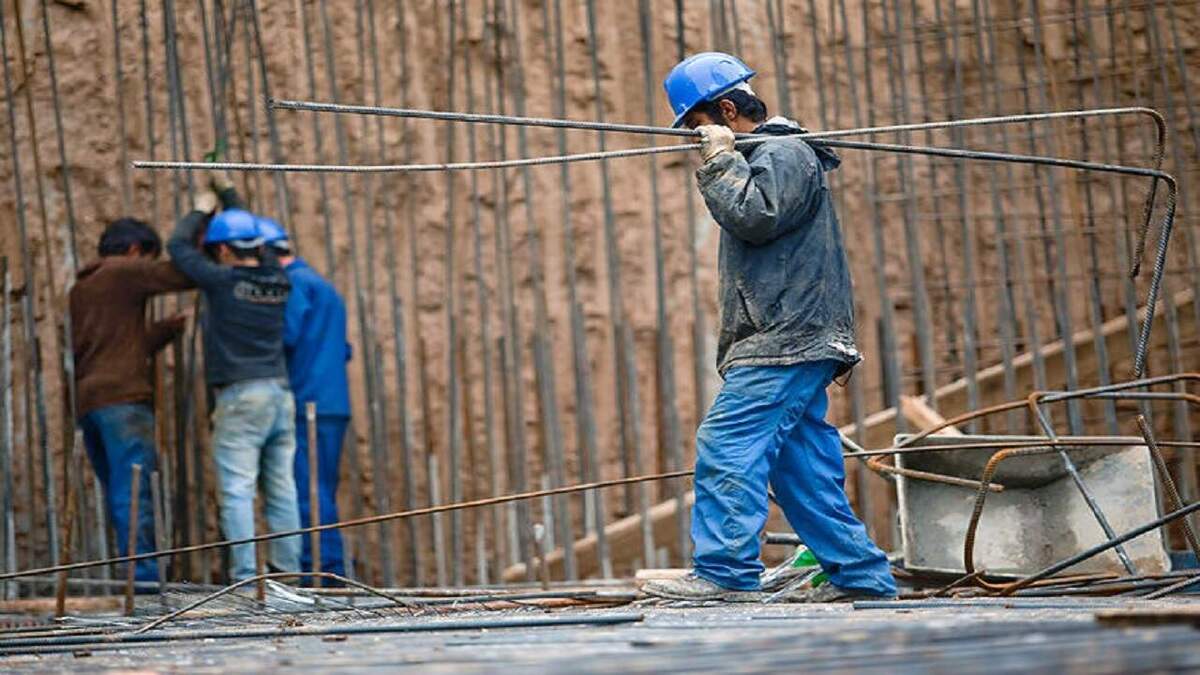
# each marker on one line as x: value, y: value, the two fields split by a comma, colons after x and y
x: 112, y: 341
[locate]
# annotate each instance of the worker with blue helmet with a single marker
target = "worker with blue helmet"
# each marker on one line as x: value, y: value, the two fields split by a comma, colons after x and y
x: 233, y: 227
x: 254, y: 431
x: 786, y: 331
x: 314, y: 342
x: 700, y: 78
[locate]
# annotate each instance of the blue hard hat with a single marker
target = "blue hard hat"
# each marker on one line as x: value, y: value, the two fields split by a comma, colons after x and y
x: 234, y: 227
x: 272, y: 233
x: 702, y: 77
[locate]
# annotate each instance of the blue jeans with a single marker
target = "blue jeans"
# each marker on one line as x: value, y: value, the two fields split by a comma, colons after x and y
x: 330, y: 433
x: 254, y: 440
x: 768, y: 425
x: 117, y: 437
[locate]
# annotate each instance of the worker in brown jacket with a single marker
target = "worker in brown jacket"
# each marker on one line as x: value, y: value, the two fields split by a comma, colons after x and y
x: 114, y: 346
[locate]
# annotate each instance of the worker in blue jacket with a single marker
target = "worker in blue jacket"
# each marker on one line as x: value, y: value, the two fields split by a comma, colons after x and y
x: 786, y: 331
x: 314, y: 342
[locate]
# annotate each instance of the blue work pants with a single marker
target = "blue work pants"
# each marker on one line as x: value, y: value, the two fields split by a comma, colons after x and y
x: 768, y: 425
x: 331, y: 431
x: 254, y: 440
x: 117, y: 437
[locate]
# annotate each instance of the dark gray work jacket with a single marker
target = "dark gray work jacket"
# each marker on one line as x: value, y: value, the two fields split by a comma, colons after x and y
x: 785, y: 290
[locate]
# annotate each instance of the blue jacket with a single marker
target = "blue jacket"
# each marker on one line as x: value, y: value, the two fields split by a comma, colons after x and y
x: 314, y: 341
x: 785, y: 290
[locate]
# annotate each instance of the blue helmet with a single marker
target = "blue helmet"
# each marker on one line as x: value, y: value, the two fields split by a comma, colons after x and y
x: 234, y: 227
x: 702, y: 77
x: 272, y: 233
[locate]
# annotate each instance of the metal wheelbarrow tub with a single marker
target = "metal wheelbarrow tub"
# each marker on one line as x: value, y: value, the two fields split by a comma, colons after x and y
x: 1039, y: 518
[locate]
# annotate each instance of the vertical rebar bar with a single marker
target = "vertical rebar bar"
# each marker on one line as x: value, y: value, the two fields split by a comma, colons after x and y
x: 543, y: 353
x: 103, y: 533
x: 668, y: 421
x: 863, y: 499
x: 364, y: 326
x: 898, y: 80
x: 377, y: 403
x: 282, y: 196
x: 64, y: 165
x: 1095, y: 292
x: 453, y: 421
x: 628, y: 406
x: 483, y: 307
x: 699, y: 329
x: 314, y: 492
x: 779, y: 53
x: 68, y: 536
x: 33, y: 367
x: 967, y: 233
x: 1060, y: 289
x: 400, y: 342
x: 252, y: 112
x: 1180, y: 417
x: 8, y: 537
x: 135, y: 493
x: 1007, y: 322
x: 148, y: 106
x: 1033, y: 340
x: 122, y: 137
x: 318, y: 140
x: 511, y: 356
x: 888, y: 347
x: 156, y: 507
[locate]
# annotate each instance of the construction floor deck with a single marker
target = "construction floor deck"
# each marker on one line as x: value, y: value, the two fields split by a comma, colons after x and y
x: 952, y: 636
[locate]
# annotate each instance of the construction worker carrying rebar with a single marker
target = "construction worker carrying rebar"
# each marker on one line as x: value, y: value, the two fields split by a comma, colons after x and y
x: 314, y: 342
x: 254, y: 426
x: 114, y: 384
x: 787, y: 331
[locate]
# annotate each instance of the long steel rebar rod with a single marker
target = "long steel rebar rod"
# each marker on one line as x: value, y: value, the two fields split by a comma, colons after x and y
x: 1157, y: 118
x: 977, y: 155
x: 356, y: 522
x: 1039, y: 443
x: 77, y: 643
x: 617, y: 127
x: 316, y: 575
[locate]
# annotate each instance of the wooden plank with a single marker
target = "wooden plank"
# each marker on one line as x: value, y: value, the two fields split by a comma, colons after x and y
x: 921, y: 416
x: 1149, y: 616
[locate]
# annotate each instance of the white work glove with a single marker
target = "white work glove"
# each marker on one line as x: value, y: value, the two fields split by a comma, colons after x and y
x: 206, y: 201
x: 714, y: 139
x: 220, y: 180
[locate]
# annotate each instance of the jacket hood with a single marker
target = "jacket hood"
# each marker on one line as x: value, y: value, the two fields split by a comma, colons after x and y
x: 782, y: 126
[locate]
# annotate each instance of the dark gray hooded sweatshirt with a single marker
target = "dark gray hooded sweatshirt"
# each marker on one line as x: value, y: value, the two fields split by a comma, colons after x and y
x: 785, y: 290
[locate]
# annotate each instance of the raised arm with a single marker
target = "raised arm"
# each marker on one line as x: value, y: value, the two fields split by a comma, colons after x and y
x: 762, y: 200
x: 185, y: 250
x: 159, y: 276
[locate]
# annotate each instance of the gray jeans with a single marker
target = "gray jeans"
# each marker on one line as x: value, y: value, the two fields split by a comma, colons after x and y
x: 254, y: 440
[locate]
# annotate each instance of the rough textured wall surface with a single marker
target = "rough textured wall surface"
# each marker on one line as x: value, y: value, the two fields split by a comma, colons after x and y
x: 923, y: 236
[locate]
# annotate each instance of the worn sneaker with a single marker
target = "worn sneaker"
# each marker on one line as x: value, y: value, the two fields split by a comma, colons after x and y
x: 800, y: 570
x: 827, y: 592
x: 692, y: 587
